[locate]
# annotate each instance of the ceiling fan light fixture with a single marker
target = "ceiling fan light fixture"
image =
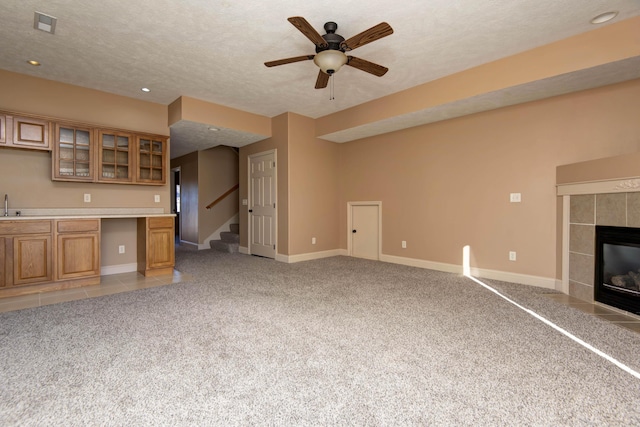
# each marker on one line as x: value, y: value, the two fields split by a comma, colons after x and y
x: 330, y: 60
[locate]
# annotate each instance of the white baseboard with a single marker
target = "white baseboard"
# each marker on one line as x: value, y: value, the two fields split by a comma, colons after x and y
x: 523, y: 279
x: 310, y: 256
x: 431, y: 265
x: 118, y: 269
x: 504, y: 276
x: 243, y: 250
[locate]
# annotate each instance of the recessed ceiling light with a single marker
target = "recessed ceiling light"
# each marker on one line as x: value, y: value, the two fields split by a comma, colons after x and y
x: 44, y: 22
x: 34, y: 63
x: 145, y: 89
x: 604, y: 17
x: 212, y: 129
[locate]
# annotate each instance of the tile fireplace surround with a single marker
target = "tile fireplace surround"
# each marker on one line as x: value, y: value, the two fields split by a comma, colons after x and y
x: 599, y: 192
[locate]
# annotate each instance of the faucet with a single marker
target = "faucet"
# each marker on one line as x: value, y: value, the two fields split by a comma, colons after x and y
x: 6, y: 205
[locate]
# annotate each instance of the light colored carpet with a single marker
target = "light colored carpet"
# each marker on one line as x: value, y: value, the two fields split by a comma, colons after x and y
x: 338, y: 341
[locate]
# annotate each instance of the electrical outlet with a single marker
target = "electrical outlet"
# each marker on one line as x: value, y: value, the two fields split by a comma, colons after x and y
x: 404, y: 244
x: 121, y: 249
x: 515, y: 197
x: 512, y: 255
x: 87, y: 198
x: 313, y: 240
x: 156, y: 198
x: 245, y: 202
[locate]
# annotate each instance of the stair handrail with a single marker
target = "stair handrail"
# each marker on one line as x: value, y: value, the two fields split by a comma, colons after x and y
x: 221, y: 198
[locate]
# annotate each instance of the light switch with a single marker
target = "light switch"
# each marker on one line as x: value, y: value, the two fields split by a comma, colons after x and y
x: 515, y: 197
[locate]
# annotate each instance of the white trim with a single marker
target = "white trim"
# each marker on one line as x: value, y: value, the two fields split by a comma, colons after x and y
x: 566, y: 215
x: 421, y: 263
x: 350, y: 205
x: 311, y: 256
x: 243, y: 250
x: 627, y: 185
x: 118, y: 269
x: 504, y: 276
x: 522, y: 279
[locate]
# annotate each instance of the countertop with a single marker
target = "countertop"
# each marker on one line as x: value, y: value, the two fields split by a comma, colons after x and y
x: 80, y: 213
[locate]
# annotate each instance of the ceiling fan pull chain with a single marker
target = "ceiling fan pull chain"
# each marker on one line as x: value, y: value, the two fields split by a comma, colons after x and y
x: 331, y: 92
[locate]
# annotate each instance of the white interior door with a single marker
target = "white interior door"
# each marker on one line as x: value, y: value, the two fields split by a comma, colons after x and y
x: 365, y: 231
x: 262, y: 204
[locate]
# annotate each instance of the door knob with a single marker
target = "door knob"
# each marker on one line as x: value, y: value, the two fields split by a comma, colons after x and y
x: 353, y: 231
x: 250, y: 210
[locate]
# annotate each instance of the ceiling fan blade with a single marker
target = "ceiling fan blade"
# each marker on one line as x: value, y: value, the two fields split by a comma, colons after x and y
x: 372, y: 34
x: 323, y: 80
x: 369, y: 67
x: 305, y: 28
x: 289, y: 60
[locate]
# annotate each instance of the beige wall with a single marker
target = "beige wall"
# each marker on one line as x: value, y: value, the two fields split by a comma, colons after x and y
x: 447, y: 184
x: 188, y: 196
x: 195, y: 110
x: 614, y: 42
x: 278, y: 142
x: 25, y: 175
x: 116, y: 232
x: 217, y: 173
x: 617, y: 167
x: 313, y: 189
x: 27, y: 94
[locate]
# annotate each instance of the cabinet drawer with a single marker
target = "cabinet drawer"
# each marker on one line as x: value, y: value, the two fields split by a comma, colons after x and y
x: 161, y: 222
x: 25, y: 227
x: 78, y: 225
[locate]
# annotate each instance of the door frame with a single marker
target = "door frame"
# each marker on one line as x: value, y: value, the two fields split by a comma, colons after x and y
x: 173, y: 197
x: 273, y: 151
x: 350, y: 206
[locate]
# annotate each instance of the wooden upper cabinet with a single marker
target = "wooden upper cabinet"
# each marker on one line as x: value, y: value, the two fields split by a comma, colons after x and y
x: 115, y: 156
x: 29, y: 132
x: 151, y: 159
x: 3, y: 129
x: 72, y: 153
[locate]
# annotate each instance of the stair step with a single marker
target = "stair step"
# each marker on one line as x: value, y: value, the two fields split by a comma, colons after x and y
x: 229, y: 237
x: 221, y: 246
x: 235, y: 228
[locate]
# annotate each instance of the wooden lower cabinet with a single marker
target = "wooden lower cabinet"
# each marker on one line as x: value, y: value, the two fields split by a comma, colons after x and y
x: 156, y: 245
x: 32, y: 256
x: 78, y: 248
x: 26, y: 253
x: 3, y: 262
x: 46, y: 255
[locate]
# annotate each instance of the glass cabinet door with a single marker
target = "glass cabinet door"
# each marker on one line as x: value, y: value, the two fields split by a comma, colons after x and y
x: 73, y: 153
x: 151, y: 160
x: 114, y: 152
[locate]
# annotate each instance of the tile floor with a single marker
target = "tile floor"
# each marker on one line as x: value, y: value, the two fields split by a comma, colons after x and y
x: 621, y: 319
x: 130, y: 281
x: 112, y: 284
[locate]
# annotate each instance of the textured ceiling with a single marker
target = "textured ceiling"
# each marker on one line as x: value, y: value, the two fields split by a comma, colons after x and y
x: 215, y: 50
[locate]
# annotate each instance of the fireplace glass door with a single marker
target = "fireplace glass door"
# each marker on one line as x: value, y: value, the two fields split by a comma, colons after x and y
x: 617, y: 267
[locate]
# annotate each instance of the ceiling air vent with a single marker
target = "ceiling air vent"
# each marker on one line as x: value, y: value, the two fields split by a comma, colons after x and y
x: 44, y: 22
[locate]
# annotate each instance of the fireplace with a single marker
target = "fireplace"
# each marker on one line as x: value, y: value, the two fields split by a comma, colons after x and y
x: 617, y: 267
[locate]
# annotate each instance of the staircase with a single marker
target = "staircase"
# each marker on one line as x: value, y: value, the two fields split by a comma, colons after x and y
x: 229, y: 240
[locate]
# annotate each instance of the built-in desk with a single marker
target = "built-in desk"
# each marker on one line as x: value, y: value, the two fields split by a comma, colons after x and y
x: 50, y: 249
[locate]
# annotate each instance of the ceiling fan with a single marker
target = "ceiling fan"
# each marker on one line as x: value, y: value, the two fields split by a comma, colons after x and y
x: 330, y: 49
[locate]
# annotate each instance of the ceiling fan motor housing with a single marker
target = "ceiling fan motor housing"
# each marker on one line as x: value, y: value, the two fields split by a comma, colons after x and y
x: 333, y: 40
